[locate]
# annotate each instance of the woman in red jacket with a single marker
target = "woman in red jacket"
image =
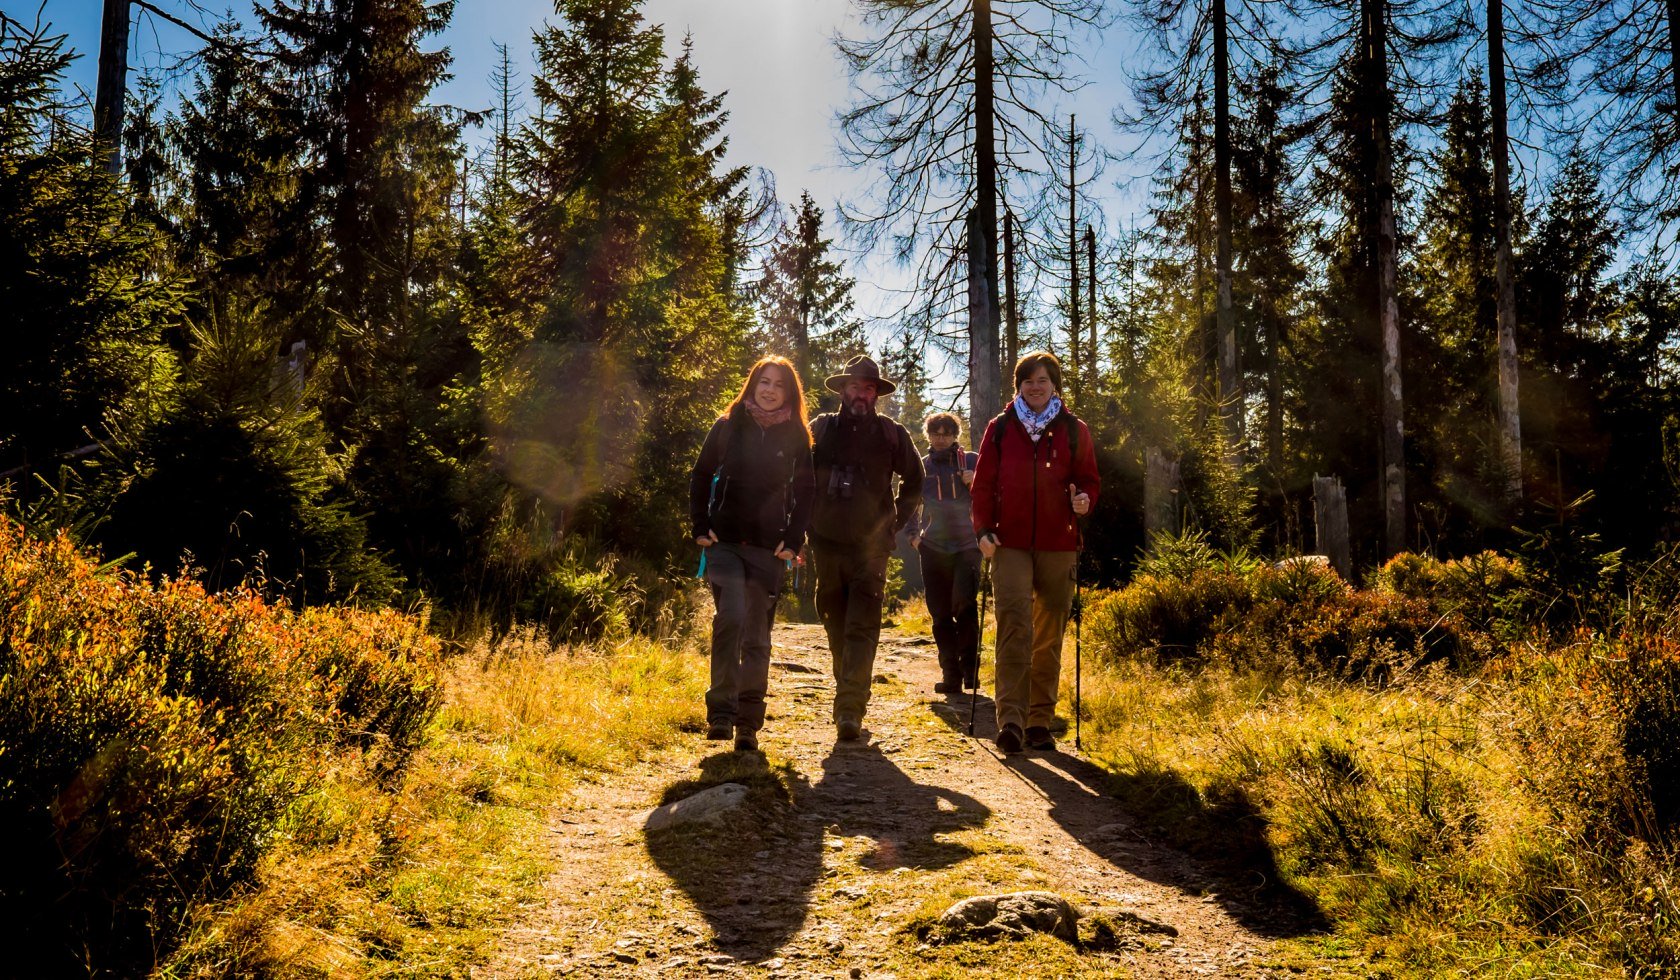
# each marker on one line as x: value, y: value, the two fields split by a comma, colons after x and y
x: 1037, y: 475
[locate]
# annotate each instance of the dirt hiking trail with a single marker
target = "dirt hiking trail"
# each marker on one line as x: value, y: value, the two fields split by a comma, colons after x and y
x: 845, y: 853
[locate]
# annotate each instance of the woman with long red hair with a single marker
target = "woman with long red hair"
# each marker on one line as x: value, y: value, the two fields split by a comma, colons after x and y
x: 750, y: 496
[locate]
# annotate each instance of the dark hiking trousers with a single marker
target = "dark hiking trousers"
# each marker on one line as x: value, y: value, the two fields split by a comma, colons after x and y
x: 850, y: 588
x: 745, y: 582
x: 952, y: 579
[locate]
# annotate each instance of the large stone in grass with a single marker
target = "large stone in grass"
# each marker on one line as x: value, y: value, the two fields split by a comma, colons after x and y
x: 709, y: 806
x: 1016, y: 915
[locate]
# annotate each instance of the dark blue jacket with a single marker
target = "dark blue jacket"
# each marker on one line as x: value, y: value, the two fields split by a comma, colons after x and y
x: 945, y: 523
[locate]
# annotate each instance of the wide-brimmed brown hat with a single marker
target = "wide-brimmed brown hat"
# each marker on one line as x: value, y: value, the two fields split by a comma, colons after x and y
x: 860, y: 368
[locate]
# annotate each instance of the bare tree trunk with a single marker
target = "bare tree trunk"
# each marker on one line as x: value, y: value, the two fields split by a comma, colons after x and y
x: 1330, y: 521
x: 112, y: 85
x: 1230, y: 382
x: 1274, y: 398
x: 1076, y: 335
x: 1510, y: 420
x: 1388, y: 306
x: 1011, y: 315
x: 1091, y: 306
x: 1205, y: 385
x: 1160, y: 495
x: 984, y: 384
x: 1674, y: 53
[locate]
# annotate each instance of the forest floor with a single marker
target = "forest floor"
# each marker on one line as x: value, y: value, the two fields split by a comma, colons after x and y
x: 845, y: 853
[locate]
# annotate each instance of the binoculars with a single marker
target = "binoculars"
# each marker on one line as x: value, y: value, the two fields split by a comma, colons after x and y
x: 841, y: 479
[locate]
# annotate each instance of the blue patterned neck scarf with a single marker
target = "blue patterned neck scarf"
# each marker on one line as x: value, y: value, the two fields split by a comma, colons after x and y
x: 1036, y: 422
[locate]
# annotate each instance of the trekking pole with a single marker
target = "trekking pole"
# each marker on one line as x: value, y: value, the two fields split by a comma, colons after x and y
x: 980, y: 643
x: 1078, y: 621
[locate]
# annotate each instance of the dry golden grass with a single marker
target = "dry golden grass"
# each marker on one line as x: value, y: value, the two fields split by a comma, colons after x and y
x: 1409, y: 814
x: 421, y: 882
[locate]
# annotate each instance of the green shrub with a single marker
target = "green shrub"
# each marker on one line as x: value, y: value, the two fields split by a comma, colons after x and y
x: 1299, y: 615
x: 153, y: 738
x: 1487, y: 598
x: 1352, y: 635
x: 1169, y: 618
x: 1182, y: 555
x: 579, y: 599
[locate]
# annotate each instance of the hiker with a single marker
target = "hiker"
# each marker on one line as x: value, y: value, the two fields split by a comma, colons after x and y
x: 943, y: 535
x: 1037, y: 475
x: 750, y: 497
x: 853, y: 528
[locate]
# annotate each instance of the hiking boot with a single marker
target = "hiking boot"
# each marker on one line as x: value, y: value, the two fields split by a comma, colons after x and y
x: 1009, y: 739
x: 1038, y: 737
x: 948, y: 687
x: 719, y: 731
x: 849, y: 729
x: 746, y: 741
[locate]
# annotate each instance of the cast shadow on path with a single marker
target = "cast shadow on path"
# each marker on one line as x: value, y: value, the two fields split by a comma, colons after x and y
x: 750, y: 875
x: 863, y: 793
x: 1119, y: 817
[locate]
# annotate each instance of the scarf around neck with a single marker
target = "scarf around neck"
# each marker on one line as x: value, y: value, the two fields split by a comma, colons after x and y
x: 767, y: 419
x: 1037, y: 422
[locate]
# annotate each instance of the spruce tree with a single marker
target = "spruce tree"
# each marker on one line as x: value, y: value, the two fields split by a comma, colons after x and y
x: 805, y: 298
x: 630, y: 224
x: 79, y: 284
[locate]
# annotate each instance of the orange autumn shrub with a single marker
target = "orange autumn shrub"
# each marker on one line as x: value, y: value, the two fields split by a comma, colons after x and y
x: 152, y: 739
x: 1296, y: 616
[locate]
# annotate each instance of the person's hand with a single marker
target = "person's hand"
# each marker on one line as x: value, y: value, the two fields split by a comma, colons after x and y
x: 967, y: 477
x: 988, y: 545
x: 1081, y: 501
x: 915, y: 541
x: 706, y: 540
x: 783, y: 551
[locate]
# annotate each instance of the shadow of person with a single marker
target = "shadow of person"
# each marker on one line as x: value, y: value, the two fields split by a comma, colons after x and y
x: 750, y: 874
x: 956, y: 710
x: 1110, y: 813
x: 863, y: 793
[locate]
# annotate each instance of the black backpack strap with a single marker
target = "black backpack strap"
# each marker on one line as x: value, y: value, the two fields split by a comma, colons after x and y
x: 889, y: 429
x: 999, y: 424
x: 821, y: 446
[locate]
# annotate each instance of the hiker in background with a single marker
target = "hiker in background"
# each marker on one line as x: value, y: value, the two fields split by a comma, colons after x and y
x: 943, y: 535
x: 1036, y: 477
x: 856, y: 520
x: 750, y: 497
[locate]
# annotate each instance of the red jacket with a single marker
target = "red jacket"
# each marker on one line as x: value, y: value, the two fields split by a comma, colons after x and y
x: 1020, y: 490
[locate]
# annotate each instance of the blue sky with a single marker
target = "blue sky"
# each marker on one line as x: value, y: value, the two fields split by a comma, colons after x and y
x: 774, y: 58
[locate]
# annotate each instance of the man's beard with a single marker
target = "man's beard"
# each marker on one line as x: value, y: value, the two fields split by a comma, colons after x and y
x: 860, y: 406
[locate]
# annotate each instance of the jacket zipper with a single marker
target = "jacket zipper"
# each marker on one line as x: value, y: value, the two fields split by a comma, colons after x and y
x: 1034, y: 537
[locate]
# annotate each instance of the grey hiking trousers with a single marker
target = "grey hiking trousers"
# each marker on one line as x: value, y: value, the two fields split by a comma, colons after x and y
x: 745, y: 581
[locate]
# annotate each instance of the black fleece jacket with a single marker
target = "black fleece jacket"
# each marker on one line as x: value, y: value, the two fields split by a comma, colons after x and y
x: 875, y: 449
x: 753, y: 485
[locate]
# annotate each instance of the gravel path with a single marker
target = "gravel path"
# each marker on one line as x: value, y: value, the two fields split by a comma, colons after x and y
x: 843, y: 845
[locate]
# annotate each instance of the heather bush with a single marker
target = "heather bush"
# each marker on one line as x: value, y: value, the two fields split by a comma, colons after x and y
x: 153, y: 738
x: 1170, y: 618
x: 1487, y: 597
x: 1297, y: 615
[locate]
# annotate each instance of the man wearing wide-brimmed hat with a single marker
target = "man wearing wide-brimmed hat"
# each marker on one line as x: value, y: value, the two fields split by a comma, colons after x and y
x: 855, y: 524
